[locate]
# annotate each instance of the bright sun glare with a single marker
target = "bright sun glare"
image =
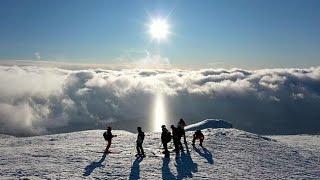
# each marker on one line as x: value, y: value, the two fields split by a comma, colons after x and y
x: 159, y: 112
x: 159, y: 29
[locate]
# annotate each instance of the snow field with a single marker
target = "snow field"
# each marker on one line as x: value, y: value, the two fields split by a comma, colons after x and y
x: 228, y: 154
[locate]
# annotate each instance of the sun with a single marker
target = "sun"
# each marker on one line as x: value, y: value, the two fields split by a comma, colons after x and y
x: 159, y: 29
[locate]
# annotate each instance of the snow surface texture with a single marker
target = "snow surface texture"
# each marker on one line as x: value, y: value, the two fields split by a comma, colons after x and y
x: 228, y: 154
x: 208, y: 123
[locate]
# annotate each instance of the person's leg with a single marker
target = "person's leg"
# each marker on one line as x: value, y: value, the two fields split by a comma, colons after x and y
x: 165, y: 146
x: 184, y: 137
x: 142, y: 152
x: 167, y: 154
x: 108, y: 145
x: 138, y: 148
x: 201, y: 140
x: 180, y: 145
x: 193, y: 141
x: 176, y: 145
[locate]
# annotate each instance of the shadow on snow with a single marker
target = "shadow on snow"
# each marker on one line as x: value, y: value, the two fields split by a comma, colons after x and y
x: 205, y: 153
x: 185, y: 166
x: 135, y: 169
x: 166, y: 173
x: 94, y: 165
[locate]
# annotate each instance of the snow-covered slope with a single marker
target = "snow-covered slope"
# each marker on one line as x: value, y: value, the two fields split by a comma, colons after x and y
x: 208, y: 123
x: 228, y: 154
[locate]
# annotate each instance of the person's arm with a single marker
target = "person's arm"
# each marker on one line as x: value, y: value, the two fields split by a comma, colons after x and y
x: 112, y: 136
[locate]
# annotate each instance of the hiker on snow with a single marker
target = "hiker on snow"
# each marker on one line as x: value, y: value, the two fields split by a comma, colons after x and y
x: 198, y: 135
x: 165, y: 138
x: 176, y: 136
x: 108, y: 137
x: 181, y: 125
x: 139, y: 143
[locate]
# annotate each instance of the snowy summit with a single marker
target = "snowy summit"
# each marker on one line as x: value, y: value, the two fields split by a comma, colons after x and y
x: 227, y: 153
x: 208, y: 123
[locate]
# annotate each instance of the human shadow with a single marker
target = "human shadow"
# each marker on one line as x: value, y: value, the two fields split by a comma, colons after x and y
x: 88, y: 170
x: 166, y: 173
x: 185, y: 166
x: 135, y: 169
x: 206, y: 154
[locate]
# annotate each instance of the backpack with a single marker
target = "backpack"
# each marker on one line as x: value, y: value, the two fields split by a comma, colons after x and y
x: 105, y: 136
x: 168, y: 136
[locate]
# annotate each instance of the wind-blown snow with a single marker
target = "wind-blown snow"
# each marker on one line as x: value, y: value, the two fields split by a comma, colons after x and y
x: 208, y: 123
x: 228, y: 154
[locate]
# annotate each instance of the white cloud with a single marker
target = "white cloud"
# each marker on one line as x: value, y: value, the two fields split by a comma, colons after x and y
x: 297, y: 96
x: 36, y: 100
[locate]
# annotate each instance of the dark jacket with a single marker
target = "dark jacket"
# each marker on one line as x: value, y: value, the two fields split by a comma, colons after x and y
x: 108, y: 135
x: 165, y: 136
x: 176, y: 134
x: 140, y: 137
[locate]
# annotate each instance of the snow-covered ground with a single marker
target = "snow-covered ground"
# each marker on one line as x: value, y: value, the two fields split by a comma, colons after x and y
x: 228, y: 154
x: 208, y: 123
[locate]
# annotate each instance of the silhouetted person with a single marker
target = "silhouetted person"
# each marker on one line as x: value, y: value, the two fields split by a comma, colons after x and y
x: 176, y: 136
x: 181, y: 125
x: 108, y: 137
x: 139, y: 142
x: 165, y: 138
x: 198, y: 135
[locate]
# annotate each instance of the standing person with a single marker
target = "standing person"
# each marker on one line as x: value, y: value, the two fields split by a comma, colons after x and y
x: 176, y: 136
x: 108, y: 137
x: 140, y: 139
x: 198, y: 135
x: 181, y: 125
x: 165, y: 138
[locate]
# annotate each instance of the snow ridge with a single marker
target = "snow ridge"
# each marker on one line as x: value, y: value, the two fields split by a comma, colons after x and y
x: 209, y: 123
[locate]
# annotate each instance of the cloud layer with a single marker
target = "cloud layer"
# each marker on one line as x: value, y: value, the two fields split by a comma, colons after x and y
x: 37, y: 100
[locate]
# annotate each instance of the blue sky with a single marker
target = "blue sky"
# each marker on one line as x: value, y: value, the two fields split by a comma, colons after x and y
x: 231, y: 33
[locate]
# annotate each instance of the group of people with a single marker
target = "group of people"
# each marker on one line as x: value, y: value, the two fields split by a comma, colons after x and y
x: 177, y: 133
x: 166, y: 136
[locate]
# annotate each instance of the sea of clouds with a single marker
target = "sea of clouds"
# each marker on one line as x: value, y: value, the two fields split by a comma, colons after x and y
x: 41, y: 100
